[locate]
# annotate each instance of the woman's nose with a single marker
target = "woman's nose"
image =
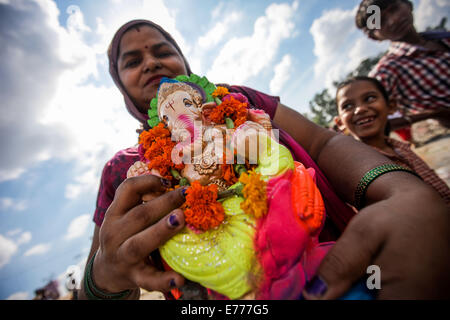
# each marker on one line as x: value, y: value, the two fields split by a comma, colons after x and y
x: 151, y: 63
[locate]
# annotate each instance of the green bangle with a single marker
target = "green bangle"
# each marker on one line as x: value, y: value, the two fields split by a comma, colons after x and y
x: 371, y: 176
x: 94, y: 293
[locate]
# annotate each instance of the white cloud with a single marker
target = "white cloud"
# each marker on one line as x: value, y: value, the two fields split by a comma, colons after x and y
x: 216, y: 33
x: 60, y: 116
x: 282, y: 74
x: 339, y: 46
x: 38, y: 249
x: 7, y: 249
x: 25, y: 237
x: 78, y: 227
x: 14, y: 232
x: 19, y: 296
x: 10, y: 244
x: 430, y: 12
x: 245, y: 57
x: 12, y: 204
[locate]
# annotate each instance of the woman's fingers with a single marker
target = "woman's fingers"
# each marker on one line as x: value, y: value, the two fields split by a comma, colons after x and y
x: 152, y: 279
x: 348, y: 260
x: 140, y: 245
x: 148, y: 213
x: 130, y: 192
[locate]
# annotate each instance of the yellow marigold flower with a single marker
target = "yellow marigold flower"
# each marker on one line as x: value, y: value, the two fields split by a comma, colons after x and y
x: 254, y: 192
x: 220, y: 92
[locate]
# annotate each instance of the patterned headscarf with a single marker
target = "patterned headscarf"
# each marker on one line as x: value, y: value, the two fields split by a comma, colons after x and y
x: 113, y: 56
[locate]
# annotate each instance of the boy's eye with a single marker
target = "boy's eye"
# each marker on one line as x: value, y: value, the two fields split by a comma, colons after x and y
x: 346, y: 106
x: 371, y: 99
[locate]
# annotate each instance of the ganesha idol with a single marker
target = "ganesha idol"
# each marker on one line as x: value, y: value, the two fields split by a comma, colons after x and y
x: 253, y: 214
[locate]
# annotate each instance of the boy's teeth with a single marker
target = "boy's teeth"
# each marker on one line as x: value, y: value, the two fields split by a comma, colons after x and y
x: 363, y: 121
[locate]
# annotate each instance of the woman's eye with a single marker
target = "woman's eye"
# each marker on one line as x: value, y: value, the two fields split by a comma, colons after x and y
x: 371, y: 98
x: 165, y: 54
x: 132, y: 63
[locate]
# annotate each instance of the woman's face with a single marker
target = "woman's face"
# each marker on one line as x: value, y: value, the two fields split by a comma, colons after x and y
x: 362, y: 109
x: 145, y: 56
x: 396, y: 22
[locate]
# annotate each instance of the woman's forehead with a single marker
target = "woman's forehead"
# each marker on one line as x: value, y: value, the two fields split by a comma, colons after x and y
x: 138, y: 37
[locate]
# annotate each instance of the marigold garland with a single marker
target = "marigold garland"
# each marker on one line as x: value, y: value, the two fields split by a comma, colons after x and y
x: 230, y: 108
x: 220, y: 92
x: 203, y: 212
x: 158, y: 146
x: 254, y: 191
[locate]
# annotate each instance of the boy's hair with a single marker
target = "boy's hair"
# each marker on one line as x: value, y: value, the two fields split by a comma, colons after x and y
x: 362, y: 15
x: 374, y: 81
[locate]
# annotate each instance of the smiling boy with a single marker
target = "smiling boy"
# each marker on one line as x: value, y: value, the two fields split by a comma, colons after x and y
x: 363, y: 107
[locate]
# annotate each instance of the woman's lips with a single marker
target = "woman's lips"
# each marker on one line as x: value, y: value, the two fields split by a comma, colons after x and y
x: 153, y: 80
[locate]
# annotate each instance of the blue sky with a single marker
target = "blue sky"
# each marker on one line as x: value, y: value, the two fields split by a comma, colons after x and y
x: 62, y: 118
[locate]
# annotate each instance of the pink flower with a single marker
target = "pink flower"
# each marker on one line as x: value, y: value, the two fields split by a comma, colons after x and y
x: 240, y: 97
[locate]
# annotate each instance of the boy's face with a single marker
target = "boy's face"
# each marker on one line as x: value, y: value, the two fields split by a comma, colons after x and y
x: 363, y: 110
x: 396, y: 22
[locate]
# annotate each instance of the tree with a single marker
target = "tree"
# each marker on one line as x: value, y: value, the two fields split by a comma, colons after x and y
x: 440, y: 26
x: 323, y: 108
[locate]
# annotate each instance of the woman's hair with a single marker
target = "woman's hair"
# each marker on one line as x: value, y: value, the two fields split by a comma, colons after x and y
x: 113, y: 56
x: 374, y: 81
x: 362, y: 15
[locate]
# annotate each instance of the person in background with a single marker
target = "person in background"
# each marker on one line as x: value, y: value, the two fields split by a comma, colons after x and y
x: 416, y: 69
x: 363, y: 108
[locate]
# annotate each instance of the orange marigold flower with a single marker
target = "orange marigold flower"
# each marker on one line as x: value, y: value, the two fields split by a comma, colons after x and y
x: 146, y: 138
x: 231, y: 108
x: 254, y: 191
x: 228, y: 174
x: 203, y: 212
x: 158, y: 147
x: 220, y: 92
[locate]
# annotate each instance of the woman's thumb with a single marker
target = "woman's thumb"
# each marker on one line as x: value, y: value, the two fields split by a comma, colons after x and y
x: 346, y: 263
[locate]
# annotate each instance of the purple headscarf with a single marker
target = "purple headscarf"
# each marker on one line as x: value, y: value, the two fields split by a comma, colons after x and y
x: 113, y: 56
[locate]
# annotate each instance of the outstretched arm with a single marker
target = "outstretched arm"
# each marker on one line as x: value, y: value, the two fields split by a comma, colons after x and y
x: 404, y: 229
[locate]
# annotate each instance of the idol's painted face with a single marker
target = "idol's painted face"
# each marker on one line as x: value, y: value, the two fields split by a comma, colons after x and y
x: 179, y: 111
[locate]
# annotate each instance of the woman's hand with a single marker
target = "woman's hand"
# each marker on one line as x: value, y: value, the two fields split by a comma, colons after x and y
x: 407, y: 236
x: 131, y: 231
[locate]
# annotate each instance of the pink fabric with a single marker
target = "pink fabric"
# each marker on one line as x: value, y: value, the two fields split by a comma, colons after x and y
x: 287, y: 253
x: 337, y: 210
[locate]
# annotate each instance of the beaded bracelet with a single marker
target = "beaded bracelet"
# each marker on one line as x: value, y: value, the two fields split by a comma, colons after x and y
x: 94, y: 293
x: 371, y: 176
